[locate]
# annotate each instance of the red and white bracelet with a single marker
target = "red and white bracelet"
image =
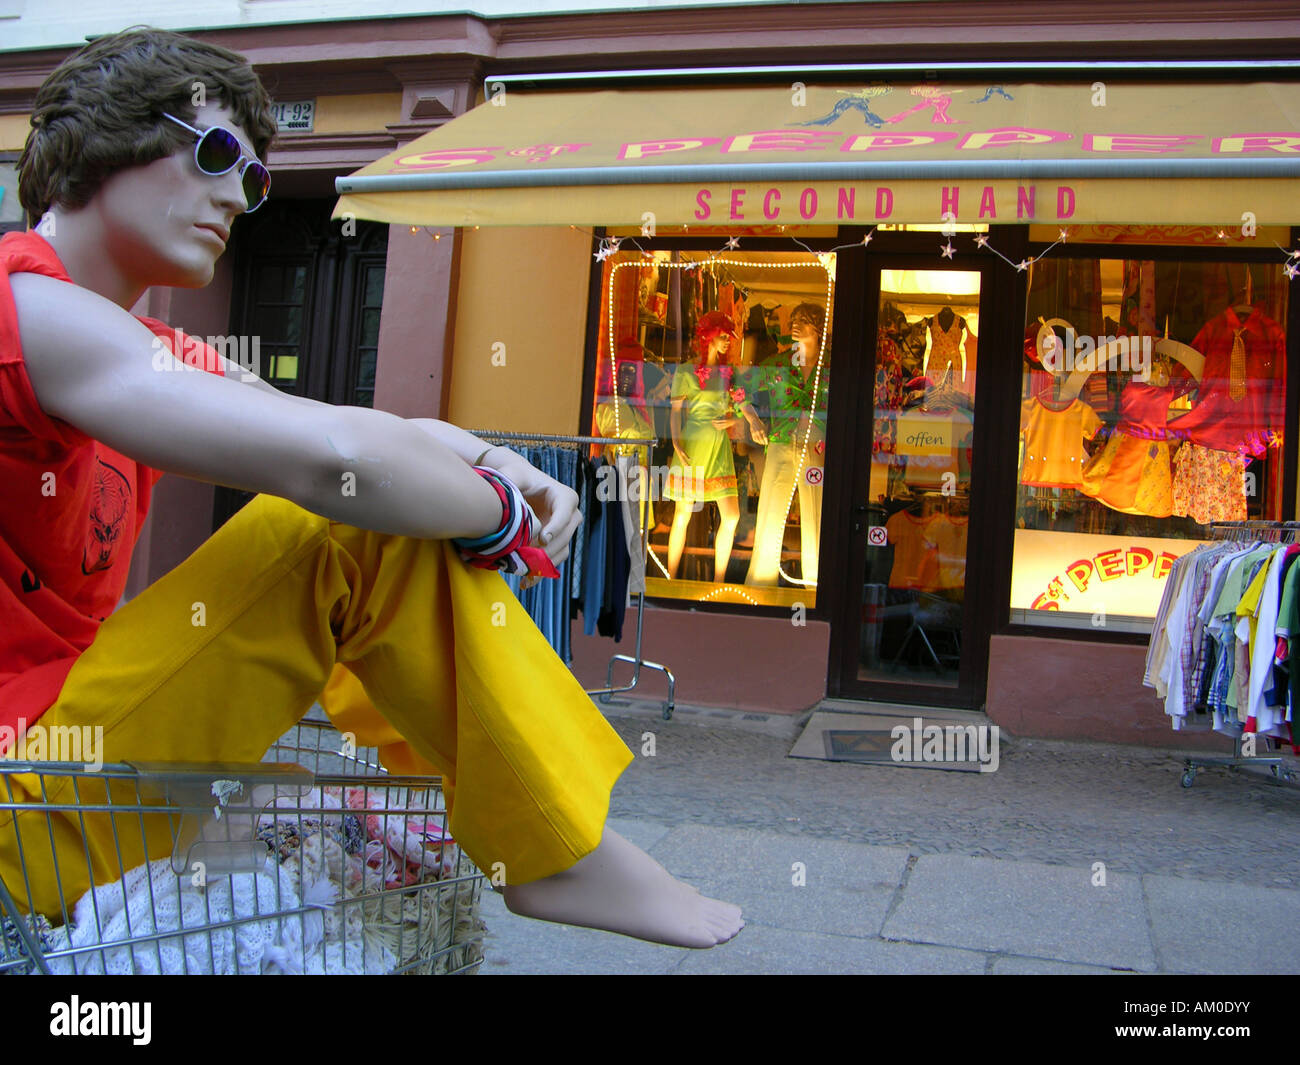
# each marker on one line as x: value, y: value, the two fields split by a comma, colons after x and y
x: 509, y: 548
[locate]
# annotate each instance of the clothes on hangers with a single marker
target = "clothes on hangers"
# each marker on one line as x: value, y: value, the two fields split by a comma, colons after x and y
x: 1239, y: 399
x: 547, y: 601
x: 1209, y: 485
x: 584, y: 582
x: 593, y: 585
x: 1133, y: 473
x: 609, y: 622
x: 889, y: 393
x: 929, y: 553
x: 1221, y: 646
x: 1054, y: 453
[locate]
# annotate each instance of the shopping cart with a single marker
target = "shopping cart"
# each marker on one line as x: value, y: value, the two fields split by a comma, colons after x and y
x: 275, y: 867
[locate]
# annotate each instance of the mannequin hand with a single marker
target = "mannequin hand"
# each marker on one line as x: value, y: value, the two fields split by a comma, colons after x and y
x: 758, y: 431
x: 555, y: 505
x: 724, y: 423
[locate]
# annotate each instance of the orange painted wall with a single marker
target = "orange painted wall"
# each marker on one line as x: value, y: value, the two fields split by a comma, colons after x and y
x: 520, y: 331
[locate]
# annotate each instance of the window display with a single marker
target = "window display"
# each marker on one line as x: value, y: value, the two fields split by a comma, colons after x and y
x: 1153, y: 406
x: 724, y: 360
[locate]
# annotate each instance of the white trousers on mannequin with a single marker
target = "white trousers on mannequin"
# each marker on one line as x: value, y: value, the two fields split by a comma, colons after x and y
x: 634, y: 496
x: 779, y: 468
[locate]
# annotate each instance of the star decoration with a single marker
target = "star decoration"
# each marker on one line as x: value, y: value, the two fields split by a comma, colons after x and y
x: 733, y: 243
x: 1291, y: 271
x: 1065, y: 235
x: 947, y: 250
x: 982, y: 240
x: 1222, y: 235
x: 604, y: 253
x: 614, y: 242
x: 1293, y: 254
x: 1023, y: 264
x: 867, y: 240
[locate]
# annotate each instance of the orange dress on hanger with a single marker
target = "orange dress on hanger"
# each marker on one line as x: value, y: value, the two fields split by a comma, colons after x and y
x: 945, y: 349
x: 1133, y: 473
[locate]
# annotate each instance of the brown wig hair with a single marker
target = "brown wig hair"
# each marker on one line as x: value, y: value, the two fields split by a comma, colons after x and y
x: 101, y: 109
x: 812, y: 313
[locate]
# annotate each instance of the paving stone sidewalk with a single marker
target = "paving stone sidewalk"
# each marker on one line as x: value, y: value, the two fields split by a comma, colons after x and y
x: 917, y: 870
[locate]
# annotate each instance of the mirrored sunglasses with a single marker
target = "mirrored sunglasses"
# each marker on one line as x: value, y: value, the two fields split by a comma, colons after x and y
x: 218, y: 152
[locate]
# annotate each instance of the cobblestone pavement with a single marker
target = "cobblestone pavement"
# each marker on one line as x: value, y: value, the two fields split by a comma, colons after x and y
x: 1064, y: 803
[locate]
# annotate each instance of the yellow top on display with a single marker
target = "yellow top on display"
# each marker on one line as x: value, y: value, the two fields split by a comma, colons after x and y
x: 1156, y: 153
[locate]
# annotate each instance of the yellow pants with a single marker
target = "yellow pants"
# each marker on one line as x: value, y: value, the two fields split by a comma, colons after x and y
x: 431, y: 660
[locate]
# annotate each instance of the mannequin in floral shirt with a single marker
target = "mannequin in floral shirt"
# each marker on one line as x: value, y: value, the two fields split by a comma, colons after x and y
x: 797, y: 420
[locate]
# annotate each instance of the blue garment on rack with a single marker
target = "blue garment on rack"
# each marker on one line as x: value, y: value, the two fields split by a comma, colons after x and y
x: 547, y: 601
x: 593, y: 583
x: 578, y: 550
x: 617, y: 566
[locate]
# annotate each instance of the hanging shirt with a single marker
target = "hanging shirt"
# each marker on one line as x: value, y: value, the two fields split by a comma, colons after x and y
x: 1240, y: 402
x: 1054, y: 454
x: 70, y: 513
x: 916, y: 551
x: 1256, y: 713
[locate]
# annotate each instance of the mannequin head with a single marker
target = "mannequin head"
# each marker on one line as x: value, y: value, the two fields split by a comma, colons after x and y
x: 807, y: 322
x: 100, y: 111
x: 120, y: 181
x: 714, y: 334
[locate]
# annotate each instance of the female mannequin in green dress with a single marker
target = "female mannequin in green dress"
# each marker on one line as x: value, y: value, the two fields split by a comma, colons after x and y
x: 704, y: 471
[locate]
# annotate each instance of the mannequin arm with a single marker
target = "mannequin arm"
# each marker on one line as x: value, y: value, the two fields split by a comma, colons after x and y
x: 92, y: 365
x: 555, y: 504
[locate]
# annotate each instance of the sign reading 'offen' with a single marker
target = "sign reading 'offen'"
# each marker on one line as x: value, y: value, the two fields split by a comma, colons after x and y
x: 921, y: 433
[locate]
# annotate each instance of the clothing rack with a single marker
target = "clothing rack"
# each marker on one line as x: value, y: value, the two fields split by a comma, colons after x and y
x: 638, y: 662
x: 1282, y: 532
x: 1279, y: 532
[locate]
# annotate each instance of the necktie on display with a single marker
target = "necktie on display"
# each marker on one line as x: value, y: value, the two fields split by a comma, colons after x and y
x: 1237, y: 367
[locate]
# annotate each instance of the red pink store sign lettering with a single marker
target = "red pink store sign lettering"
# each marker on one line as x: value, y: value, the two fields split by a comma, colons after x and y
x: 1114, y: 564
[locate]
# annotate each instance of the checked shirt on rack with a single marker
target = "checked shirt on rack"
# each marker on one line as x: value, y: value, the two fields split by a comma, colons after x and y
x: 1222, y: 654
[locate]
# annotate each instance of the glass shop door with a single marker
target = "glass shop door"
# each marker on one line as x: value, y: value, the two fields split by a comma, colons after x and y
x: 920, y: 636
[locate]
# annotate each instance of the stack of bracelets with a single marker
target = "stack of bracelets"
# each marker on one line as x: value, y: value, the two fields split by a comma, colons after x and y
x: 508, y: 549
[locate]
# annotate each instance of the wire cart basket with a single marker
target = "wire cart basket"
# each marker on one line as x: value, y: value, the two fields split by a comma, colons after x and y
x: 274, y: 868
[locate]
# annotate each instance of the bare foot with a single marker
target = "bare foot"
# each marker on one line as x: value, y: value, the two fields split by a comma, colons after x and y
x: 620, y: 888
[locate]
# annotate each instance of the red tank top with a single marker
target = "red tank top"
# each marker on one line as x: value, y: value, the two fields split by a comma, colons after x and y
x: 71, y: 510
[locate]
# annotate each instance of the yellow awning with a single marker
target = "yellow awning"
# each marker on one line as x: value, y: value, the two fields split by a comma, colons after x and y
x: 1155, y: 153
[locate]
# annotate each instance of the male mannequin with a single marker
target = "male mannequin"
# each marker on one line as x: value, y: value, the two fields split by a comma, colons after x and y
x: 304, y: 594
x: 798, y: 418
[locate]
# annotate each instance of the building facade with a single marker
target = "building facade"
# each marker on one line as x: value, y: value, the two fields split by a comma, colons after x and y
x: 947, y: 433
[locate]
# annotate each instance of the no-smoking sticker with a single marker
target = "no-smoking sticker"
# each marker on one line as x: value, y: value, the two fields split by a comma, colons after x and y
x: 877, y: 536
x: 813, y: 475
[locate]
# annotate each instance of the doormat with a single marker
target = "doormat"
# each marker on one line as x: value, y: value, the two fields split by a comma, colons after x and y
x: 953, y: 741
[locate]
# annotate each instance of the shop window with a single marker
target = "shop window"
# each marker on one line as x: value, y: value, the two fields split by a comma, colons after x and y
x: 725, y: 361
x: 1152, y: 407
